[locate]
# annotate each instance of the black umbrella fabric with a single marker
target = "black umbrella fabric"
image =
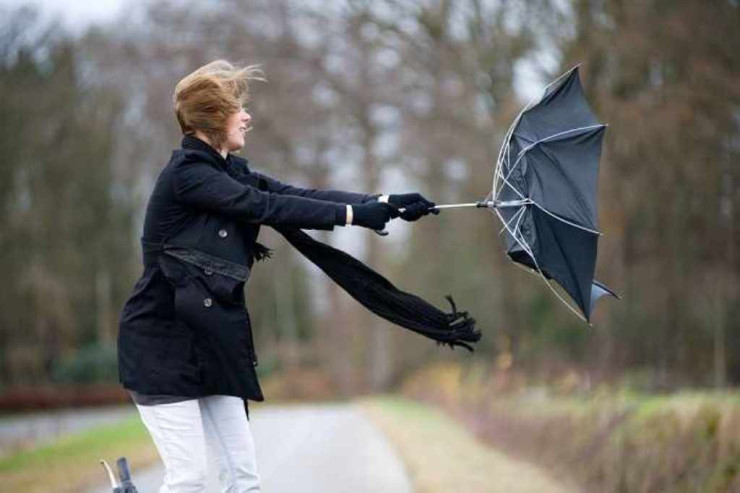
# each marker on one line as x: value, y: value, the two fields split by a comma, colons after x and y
x: 545, y: 189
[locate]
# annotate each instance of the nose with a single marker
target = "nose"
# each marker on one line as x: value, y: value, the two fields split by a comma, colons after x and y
x: 247, y: 117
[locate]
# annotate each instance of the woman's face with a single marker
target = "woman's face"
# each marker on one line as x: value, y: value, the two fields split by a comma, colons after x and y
x: 237, y: 127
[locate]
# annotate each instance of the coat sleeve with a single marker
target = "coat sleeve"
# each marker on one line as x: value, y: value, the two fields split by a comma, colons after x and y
x: 200, y: 184
x: 337, y: 196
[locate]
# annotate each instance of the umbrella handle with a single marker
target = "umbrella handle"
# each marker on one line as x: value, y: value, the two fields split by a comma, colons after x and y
x: 383, y: 232
x: 125, y: 474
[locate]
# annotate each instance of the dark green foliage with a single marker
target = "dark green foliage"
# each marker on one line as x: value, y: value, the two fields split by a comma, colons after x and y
x: 94, y: 363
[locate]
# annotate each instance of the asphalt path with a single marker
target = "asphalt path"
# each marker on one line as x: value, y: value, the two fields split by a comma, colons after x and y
x: 27, y: 430
x: 322, y: 448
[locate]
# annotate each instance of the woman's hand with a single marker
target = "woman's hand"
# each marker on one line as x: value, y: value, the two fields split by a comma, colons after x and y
x: 373, y: 215
x: 415, y: 205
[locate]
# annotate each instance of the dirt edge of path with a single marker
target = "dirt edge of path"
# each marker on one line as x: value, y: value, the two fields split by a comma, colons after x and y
x: 441, y: 455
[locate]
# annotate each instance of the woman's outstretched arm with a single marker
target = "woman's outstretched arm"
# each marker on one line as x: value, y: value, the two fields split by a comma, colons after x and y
x: 199, y: 183
x: 338, y: 196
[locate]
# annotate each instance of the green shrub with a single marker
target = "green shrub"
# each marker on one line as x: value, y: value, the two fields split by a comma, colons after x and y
x: 95, y: 363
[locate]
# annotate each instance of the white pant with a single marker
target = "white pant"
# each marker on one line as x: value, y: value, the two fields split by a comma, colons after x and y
x: 197, y: 434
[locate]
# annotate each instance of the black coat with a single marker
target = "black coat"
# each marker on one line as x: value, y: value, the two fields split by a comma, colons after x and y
x: 185, y: 329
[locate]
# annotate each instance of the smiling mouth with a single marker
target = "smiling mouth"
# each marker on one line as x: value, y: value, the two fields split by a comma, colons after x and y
x: 245, y: 129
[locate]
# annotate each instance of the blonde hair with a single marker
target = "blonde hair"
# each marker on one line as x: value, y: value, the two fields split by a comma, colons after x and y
x: 206, y: 98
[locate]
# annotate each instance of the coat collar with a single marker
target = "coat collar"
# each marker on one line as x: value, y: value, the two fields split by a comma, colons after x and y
x: 230, y: 163
x: 193, y: 142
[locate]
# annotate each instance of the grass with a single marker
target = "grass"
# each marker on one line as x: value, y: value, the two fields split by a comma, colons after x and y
x: 73, y: 462
x: 610, y: 439
x: 441, y: 455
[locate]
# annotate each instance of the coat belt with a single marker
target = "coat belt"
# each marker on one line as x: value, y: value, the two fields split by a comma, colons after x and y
x: 206, y: 261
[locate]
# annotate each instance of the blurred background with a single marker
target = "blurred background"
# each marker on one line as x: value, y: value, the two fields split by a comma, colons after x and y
x: 391, y: 96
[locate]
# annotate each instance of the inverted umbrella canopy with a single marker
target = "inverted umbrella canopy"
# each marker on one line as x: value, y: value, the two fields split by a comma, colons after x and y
x: 544, y: 190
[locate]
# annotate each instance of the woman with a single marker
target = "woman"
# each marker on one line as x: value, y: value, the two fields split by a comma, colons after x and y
x: 185, y: 347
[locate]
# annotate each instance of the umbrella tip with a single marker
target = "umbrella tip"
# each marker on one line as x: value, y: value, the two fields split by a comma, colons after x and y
x: 112, y: 478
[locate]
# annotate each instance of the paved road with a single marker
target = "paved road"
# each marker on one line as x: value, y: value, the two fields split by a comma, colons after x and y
x: 321, y: 448
x: 36, y: 428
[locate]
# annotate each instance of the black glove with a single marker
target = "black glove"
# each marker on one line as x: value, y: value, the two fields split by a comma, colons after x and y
x: 372, y: 215
x: 415, y: 205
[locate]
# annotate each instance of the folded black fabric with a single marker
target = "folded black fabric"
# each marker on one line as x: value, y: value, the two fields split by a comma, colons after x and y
x: 381, y: 297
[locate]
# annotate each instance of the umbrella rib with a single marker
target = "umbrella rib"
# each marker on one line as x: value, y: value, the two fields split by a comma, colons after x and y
x: 576, y: 192
x: 519, y: 221
x: 531, y: 146
x: 504, y: 151
x: 557, y: 243
x: 507, y: 158
x: 522, y: 243
x: 528, y: 249
x: 507, y: 137
x: 553, y: 136
x: 516, y: 214
x: 505, y: 180
x: 593, y: 231
x: 510, y: 168
x: 508, y: 174
x: 528, y: 148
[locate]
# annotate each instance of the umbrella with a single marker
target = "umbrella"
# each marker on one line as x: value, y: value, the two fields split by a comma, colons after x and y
x: 126, y: 485
x: 544, y: 191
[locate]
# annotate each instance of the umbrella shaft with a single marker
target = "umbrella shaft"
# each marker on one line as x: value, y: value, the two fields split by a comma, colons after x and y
x: 489, y: 204
x: 455, y: 206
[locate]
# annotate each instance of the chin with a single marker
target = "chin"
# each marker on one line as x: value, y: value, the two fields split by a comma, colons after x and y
x: 236, y: 146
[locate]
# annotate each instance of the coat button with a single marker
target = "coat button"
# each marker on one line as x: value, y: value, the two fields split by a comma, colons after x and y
x: 208, y: 272
x: 223, y: 233
x: 207, y: 302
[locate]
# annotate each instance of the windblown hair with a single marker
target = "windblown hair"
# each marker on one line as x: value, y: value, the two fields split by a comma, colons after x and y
x: 206, y: 98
